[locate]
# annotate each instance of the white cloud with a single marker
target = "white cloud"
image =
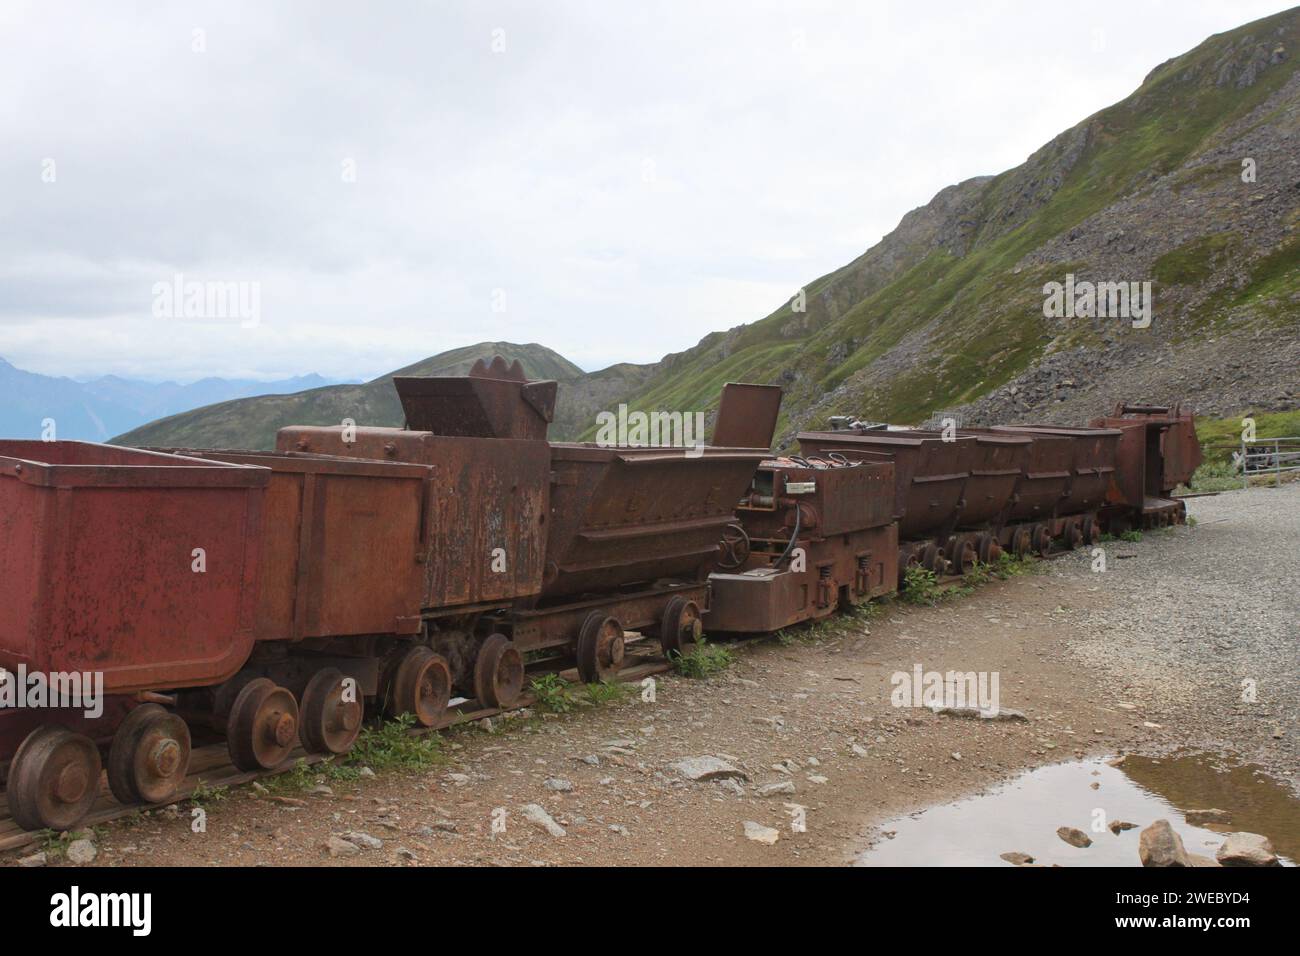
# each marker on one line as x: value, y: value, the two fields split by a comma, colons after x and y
x: 632, y: 176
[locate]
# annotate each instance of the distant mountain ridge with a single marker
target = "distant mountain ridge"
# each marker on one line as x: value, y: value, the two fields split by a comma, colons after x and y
x: 98, y: 409
x: 253, y: 422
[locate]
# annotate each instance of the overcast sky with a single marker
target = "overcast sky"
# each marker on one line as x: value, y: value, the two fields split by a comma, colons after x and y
x: 612, y: 179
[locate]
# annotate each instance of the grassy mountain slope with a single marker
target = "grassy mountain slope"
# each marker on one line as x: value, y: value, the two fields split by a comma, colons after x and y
x: 948, y: 307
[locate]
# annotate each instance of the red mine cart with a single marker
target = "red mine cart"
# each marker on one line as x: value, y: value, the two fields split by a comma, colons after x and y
x: 131, y: 567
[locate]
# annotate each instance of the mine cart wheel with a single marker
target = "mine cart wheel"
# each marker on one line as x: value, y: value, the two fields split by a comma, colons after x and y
x: 224, y: 696
x: 1074, y: 535
x: 330, y: 721
x: 600, y: 647
x: 1091, y: 532
x: 963, y: 556
x: 680, y: 626
x: 1041, y: 540
x: 988, y: 549
x: 932, y: 559
x: 263, y: 726
x: 906, y: 559
x: 498, y: 672
x: 53, y: 779
x: 1020, y: 543
x: 421, y: 686
x: 734, y: 548
x: 150, y: 755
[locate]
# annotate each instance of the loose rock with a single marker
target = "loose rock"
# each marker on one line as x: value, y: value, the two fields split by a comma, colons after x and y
x: 539, y: 818
x: 1074, y: 836
x: 361, y: 839
x: 340, y: 847
x: 761, y: 834
x: 82, y: 852
x: 706, y: 768
x: 1159, y: 845
x: 1246, y: 849
x: 1001, y: 713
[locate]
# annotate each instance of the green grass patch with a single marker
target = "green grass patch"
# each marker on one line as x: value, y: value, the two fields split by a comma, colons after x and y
x: 920, y: 586
x: 1220, y: 437
x: 702, y: 661
x: 607, y: 692
x: 552, y: 693
x: 204, y: 794
x: 390, y: 746
x: 1193, y: 262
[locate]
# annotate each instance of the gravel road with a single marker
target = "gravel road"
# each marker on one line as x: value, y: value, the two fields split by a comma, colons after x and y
x: 1191, y: 621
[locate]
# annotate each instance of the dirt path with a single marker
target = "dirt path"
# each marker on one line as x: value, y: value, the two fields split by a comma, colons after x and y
x: 814, y: 714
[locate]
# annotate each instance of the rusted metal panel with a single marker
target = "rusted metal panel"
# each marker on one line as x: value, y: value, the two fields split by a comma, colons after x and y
x: 624, y: 515
x: 1157, y: 452
x: 998, y: 463
x: 488, y: 520
x: 767, y: 596
x: 343, y: 547
x: 1046, y: 471
x: 822, y: 534
x: 1092, y: 468
x: 930, y: 474
x: 747, y: 415
x: 98, y: 563
x: 493, y: 401
x: 485, y: 520
x: 834, y: 499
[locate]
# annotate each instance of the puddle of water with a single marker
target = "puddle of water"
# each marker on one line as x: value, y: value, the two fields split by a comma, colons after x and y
x: 1023, y: 815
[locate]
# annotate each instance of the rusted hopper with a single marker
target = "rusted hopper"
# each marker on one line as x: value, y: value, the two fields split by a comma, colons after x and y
x: 930, y: 474
x: 494, y: 400
x: 98, y: 571
x: 1157, y: 451
x: 1046, y: 469
x: 335, y: 528
x: 1091, y: 468
x: 139, y: 567
x: 625, y: 515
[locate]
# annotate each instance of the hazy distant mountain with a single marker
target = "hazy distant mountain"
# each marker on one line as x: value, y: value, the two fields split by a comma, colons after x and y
x: 104, y: 407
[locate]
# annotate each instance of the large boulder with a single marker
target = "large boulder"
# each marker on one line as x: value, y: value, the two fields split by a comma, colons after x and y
x: 1159, y: 845
x: 1246, y: 849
